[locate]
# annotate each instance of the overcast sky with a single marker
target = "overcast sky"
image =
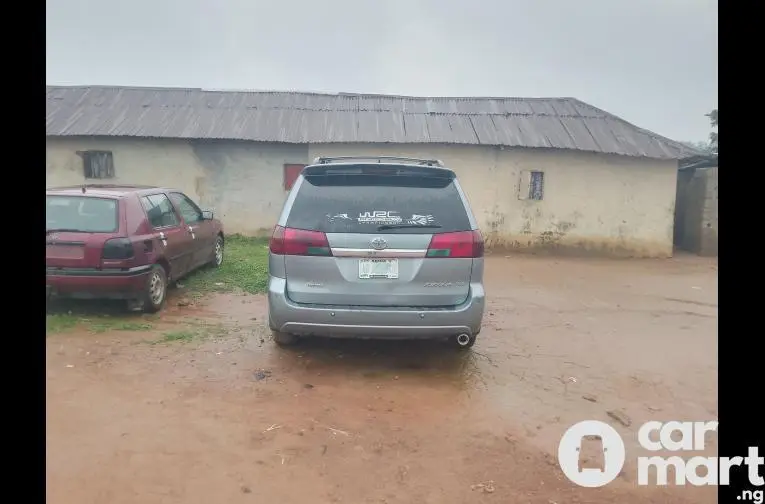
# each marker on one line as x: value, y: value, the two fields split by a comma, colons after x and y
x: 651, y: 62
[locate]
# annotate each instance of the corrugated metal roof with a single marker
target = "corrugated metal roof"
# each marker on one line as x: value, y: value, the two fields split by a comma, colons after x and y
x: 292, y: 117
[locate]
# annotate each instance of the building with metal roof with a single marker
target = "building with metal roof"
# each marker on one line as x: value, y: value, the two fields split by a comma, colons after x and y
x: 609, y: 185
x: 297, y: 118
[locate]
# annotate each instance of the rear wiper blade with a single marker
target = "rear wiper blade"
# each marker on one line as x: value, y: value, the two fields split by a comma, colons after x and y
x: 404, y: 226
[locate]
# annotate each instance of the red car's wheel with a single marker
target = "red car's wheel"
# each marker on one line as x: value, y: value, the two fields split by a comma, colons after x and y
x: 156, y: 289
x: 218, y: 252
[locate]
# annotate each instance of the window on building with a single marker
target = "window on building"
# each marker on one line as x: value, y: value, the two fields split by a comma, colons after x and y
x: 536, y: 185
x: 97, y: 164
x: 160, y: 211
x: 291, y: 172
x: 532, y: 185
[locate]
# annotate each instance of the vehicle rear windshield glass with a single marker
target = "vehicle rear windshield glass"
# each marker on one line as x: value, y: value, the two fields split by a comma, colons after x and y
x: 80, y: 213
x: 364, y: 203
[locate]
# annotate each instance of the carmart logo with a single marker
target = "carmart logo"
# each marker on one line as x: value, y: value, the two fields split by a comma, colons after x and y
x: 691, y: 438
x: 569, y: 454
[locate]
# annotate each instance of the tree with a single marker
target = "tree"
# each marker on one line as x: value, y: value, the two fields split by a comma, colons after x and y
x: 713, y: 136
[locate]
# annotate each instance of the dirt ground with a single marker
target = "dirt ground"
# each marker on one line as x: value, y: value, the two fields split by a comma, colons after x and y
x: 234, y: 419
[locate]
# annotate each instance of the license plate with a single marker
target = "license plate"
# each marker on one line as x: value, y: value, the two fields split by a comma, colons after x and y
x: 64, y: 252
x: 378, y: 268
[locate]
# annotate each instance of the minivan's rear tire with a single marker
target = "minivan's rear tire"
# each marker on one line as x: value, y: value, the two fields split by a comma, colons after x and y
x: 155, y: 291
x: 283, y: 339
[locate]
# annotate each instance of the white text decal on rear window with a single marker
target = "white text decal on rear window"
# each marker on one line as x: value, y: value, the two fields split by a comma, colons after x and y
x: 380, y: 217
x: 383, y: 217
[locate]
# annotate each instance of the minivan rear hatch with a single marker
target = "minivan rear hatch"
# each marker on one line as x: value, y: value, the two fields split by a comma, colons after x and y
x: 378, y: 235
x: 77, y: 228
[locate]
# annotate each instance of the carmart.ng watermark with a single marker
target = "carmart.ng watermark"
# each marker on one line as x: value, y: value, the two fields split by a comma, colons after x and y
x: 692, y: 438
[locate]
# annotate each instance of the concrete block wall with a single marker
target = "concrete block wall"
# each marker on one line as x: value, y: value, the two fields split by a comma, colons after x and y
x: 700, y: 216
x: 681, y: 205
x: 709, y: 221
x: 242, y: 182
x: 592, y: 204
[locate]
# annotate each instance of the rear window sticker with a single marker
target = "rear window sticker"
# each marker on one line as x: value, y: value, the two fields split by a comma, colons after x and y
x: 421, y: 220
x: 380, y: 217
x: 383, y: 217
x: 338, y: 217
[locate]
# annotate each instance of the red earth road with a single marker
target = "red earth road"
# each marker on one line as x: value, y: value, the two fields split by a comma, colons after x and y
x: 232, y: 418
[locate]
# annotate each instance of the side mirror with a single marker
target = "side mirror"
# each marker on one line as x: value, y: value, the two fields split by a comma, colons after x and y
x: 207, y: 215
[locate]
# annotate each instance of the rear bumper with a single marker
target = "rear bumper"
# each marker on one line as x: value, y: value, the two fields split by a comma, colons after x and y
x: 372, y: 322
x: 96, y: 284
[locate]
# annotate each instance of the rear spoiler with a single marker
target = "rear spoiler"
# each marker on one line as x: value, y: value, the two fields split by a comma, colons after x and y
x: 379, y: 159
x: 398, y: 170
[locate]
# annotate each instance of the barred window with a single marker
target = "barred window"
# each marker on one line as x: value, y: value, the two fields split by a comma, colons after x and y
x: 537, y: 185
x: 98, y: 164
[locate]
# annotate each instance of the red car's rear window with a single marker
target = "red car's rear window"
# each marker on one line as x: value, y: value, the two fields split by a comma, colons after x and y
x: 81, y: 213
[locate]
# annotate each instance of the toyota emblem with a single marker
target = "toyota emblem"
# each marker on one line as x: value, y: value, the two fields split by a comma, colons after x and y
x: 378, y: 243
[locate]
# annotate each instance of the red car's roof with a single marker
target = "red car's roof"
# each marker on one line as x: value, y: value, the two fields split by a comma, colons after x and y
x: 102, y: 190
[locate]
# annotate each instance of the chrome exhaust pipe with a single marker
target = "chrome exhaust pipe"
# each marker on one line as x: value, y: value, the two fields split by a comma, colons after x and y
x: 463, y: 339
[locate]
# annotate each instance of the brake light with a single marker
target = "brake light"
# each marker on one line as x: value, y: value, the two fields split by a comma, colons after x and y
x: 118, y: 248
x: 456, y: 245
x: 300, y: 242
x: 379, y: 171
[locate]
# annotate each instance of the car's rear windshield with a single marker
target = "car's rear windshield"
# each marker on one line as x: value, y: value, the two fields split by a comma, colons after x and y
x: 81, y: 213
x: 366, y: 203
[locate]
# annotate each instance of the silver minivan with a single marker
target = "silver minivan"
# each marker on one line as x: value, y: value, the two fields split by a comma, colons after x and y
x: 381, y: 247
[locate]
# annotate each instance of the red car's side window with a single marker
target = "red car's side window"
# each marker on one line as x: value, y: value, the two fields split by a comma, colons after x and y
x: 189, y: 210
x: 160, y: 211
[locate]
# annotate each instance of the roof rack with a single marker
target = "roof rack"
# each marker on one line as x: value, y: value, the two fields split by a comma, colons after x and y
x: 379, y: 159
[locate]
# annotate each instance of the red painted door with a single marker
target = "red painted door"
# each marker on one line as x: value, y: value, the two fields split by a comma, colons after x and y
x: 175, y: 240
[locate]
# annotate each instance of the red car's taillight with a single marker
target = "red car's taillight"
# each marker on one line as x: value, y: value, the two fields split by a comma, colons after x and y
x: 456, y: 245
x: 287, y: 241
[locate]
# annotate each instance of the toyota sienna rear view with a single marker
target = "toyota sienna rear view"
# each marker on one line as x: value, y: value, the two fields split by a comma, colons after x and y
x: 376, y: 248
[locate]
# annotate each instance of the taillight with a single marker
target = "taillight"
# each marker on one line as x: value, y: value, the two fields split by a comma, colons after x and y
x: 276, y: 243
x: 301, y: 242
x: 118, y: 248
x: 456, y: 245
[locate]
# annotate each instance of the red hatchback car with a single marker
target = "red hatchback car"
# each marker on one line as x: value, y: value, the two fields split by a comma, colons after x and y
x: 125, y: 242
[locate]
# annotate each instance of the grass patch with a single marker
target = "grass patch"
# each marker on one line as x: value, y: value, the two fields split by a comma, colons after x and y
x: 171, y: 336
x: 62, y: 322
x: 244, y: 268
x: 119, y: 325
x: 189, y: 334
